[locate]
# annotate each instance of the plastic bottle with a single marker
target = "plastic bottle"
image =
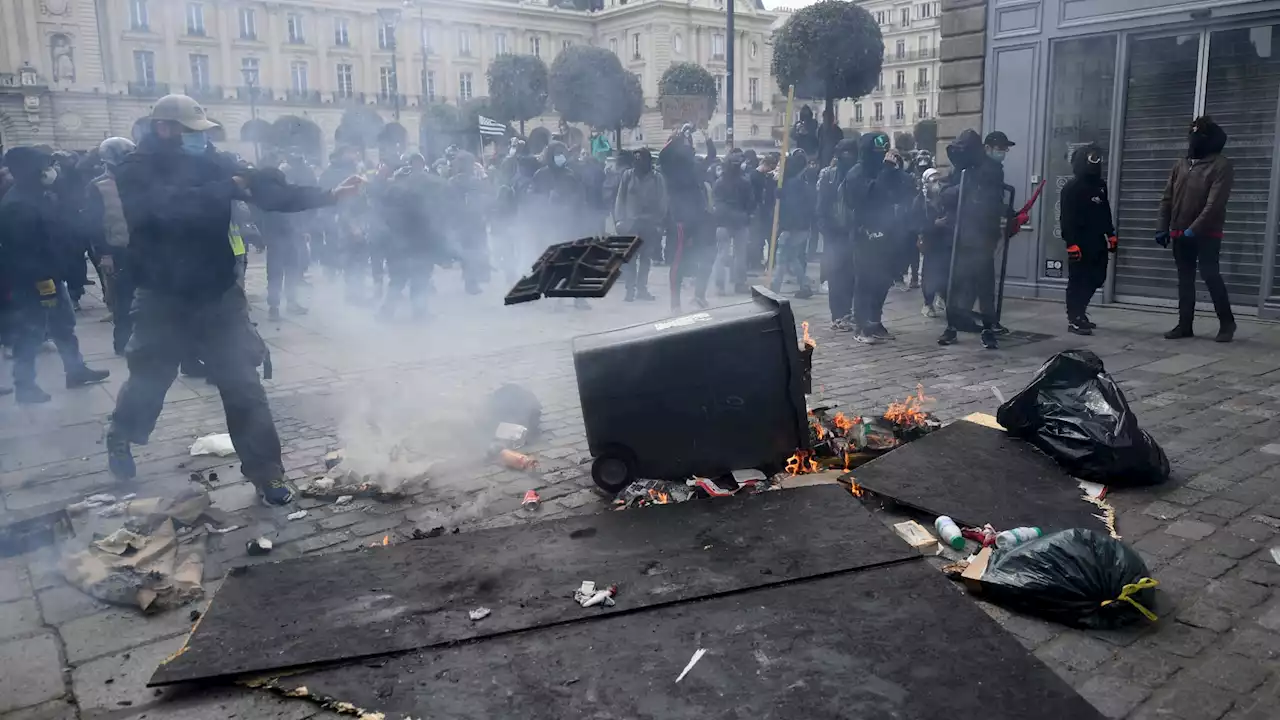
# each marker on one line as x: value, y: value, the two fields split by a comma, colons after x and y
x: 949, y: 532
x: 1017, y: 536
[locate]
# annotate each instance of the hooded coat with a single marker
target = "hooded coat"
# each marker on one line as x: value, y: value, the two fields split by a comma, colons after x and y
x: 31, y: 235
x: 804, y: 134
x: 1195, y: 197
x: 1086, y: 209
x: 877, y: 194
x: 832, y: 216
x: 985, y: 210
x: 799, y: 198
x: 734, y: 197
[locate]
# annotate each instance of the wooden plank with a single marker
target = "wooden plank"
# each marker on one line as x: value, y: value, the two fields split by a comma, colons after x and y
x: 418, y: 594
x: 890, y: 642
x: 977, y: 474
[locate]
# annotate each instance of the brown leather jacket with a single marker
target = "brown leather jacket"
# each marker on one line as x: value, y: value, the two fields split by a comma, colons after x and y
x: 1195, y: 198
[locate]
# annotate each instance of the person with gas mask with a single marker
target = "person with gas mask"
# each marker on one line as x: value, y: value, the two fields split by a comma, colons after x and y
x: 687, y: 241
x: 733, y: 201
x: 177, y: 192
x: 33, y: 259
x: 797, y: 202
x: 935, y: 244
x: 981, y: 221
x: 109, y: 238
x: 1089, y: 233
x: 640, y: 209
x: 558, y: 202
x: 1193, y: 210
x: 875, y: 191
x: 834, y: 222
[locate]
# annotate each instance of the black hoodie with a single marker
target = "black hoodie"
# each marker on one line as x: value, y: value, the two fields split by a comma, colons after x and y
x: 1195, y: 197
x: 984, y: 202
x: 877, y: 194
x: 1086, y: 209
x: 832, y: 219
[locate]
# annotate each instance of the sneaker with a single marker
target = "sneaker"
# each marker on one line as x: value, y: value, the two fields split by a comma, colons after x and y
x: 630, y: 296
x: 989, y: 339
x: 900, y: 286
x: 86, y: 376
x: 294, y: 309
x: 843, y: 324
x: 804, y: 293
x: 1084, y: 321
x: 999, y: 329
x: 948, y: 337
x: 1179, y: 333
x: 1076, y: 327
x: 1226, y: 333
x: 194, y: 370
x: 929, y: 311
x: 880, y: 332
x: 30, y: 394
x: 824, y: 288
x: 866, y: 338
x: 939, y: 304
x: 273, y: 313
x: 120, y: 457
x: 645, y: 296
x: 274, y: 493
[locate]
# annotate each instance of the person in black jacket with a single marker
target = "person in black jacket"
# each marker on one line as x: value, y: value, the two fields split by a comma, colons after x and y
x: 109, y: 238
x: 834, y: 223
x: 804, y: 134
x: 33, y: 256
x: 286, y: 237
x: 733, y: 199
x: 177, y: 191
x: 690, y: 221
x: 1089, y: 233
x: 795, y: 221
x: 414, y: 203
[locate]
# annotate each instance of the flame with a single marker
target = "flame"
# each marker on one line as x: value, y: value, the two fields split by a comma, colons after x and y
x: 386, y: 540
x: 808, y: 339
x: 659, y: 497
x: 855, y: 488
x: 908, y: 413
x: 844, y: 423
x: 802, y: 462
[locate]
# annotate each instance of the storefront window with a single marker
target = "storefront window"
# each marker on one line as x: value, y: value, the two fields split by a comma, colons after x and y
x: 1082, y: 83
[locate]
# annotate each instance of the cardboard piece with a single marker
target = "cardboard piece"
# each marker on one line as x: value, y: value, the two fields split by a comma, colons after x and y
x: 972, y: 575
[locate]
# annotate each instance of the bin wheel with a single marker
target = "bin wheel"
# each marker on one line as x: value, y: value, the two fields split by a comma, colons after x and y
x: 612, y: 473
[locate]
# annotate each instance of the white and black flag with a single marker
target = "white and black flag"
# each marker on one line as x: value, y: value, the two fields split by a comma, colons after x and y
x: 490, y: 127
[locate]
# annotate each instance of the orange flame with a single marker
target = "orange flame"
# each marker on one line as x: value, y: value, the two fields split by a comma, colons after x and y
x: 908, y: 413
x: 855, y: 488
x: 802, y: 462
x: 386, y: 540
x: 659, y: 497
x: 808, y: 339
x: 844, y: 423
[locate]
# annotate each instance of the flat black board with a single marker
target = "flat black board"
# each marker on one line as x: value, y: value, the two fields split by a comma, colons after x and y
x: 898, y: 642
x: 977, y: 475
x: 418, y: 594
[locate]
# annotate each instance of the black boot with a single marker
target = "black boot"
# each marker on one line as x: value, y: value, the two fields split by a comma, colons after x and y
x: 1084, y: 322
x: 1077, y: 327
x: 120, y: 457
x: 989, y: 340
x: 948, y: 336
x: 82, y: 376
x: 1179, y: 333
x: 1226, y: 333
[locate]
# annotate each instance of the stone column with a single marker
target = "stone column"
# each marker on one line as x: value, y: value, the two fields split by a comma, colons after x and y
x: 960, y: 77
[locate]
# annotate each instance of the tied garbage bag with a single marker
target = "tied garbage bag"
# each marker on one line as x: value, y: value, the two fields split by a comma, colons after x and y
x: 1079, y: 577
x: 1075, y: 412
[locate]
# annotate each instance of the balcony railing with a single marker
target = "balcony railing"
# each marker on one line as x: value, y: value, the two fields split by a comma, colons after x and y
x: 899, y: 89
x: 249, y: 36
x: 921, y: 116
x: 148, y: 90
x: 898, y: 121
x: 386, y: 98
x: 196, y: 32
x: 757, y: 106
x: 718, y: 56
x: 204, y: 92
x: 910, y: 55
x: 921, y: 86
x: 257, y: 92
x: 302, y: 96
x: 347, y: 97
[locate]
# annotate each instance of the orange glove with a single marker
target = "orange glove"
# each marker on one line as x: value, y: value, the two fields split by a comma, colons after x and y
x: 1073, y: 252
x: 1112, y: 243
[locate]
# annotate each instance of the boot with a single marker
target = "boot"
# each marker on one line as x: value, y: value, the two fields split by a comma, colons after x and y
x: 1179, y: 333
x: 1226, y: 333
x: 30, y: 394
x: 989, y: 340
x: 120, y: 457
x: 82, y: 376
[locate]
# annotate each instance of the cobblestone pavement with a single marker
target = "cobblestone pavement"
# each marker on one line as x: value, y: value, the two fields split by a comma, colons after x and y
x: 342, y: 379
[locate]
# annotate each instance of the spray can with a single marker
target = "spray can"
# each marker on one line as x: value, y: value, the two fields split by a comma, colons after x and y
x: 517, y: 461
x: 949, y: 532
x: 1017, y: 536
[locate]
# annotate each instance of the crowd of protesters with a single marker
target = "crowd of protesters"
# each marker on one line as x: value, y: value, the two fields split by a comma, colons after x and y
x: 167, y: 220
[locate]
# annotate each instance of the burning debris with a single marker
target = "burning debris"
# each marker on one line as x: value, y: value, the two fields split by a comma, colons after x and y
x: 643, y: 493
x: 840, y: 441
x: 340, y: 485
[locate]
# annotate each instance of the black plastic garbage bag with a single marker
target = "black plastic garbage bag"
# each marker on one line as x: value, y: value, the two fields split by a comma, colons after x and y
x: 1075, y: 412
x: 1079, y: 577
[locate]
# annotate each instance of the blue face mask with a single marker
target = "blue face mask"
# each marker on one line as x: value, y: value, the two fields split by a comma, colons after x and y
x: 560, y: 160
x: 997, y: 155
x: 194, y: 143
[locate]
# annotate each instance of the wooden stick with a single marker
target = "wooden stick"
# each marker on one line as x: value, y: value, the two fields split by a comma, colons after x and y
x: 782, y: 171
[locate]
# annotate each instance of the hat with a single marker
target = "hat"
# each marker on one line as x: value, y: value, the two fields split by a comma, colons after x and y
x: 27, y: 158
x: 183, y: 110
x: 997, y: 138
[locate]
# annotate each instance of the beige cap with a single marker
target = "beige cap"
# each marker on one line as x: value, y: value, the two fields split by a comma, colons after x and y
x: 182, y: 110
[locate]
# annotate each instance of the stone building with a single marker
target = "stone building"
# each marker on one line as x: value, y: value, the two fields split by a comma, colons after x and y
x: 73, y: 72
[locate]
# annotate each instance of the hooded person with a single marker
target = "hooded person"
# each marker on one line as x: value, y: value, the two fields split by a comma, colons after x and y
x: 690, y: 221
x: 416, y: 204
x: 797, y: 202
x: 558, y: 202
x: 287, y: 236
x: 1089, y: 233
x: 733, y: 200
x: 177, y: 192
x: 109, y: 238
x: 1193, y: 210
x: 340, y: 226
x: 471, y: 201
x: 640, y: 209
x: 876, y: 192
x: 833, y: 222
x: 935, y: 243
x: 804, y: 134
x: 829, y: 136
x: 33, y: 262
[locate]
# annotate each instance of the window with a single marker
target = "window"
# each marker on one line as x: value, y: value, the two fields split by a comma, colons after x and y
x: 880, y: 83
x: 922, y: 78
x: 898, y: 111
x: 880, y: 16
x: 613, y: 45
x: 565, y: 45
x: 200, y: 71
x: 425, y: 39
x: 717, y: 46
x: 195, y: 19
x: 341, y: 32
x: 296, y: 35
x: 922, y: 109
x: 535, y: 46
x: 346, y: 88
x: 499, y: 43
x: 677, y: 44
x: 386, y: 36
x: 464, y: 86
x: 857, y: 112
x: 144, y: 67
x: 925, y: 10
x: 923, y: 43
x: 138, y: 18
x: 755, y: 49
x: 879, y: 112
x: 635, y: 45
x: 429, y: 86
x: 298, y: 76
x: 900, y: 80
x: 900, y: 49
x: 906, y: 16
x: 753, y: 90
x: 249, y: 71
x: 464, y: 42
x: 720, y: 86
x: 386, y: 81
x: 248, y: 24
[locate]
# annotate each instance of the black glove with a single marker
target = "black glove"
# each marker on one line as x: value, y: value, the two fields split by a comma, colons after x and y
x: 1162, y: 239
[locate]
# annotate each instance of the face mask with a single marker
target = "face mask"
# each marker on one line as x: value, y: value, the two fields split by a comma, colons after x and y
x: 49, y: 176
x: 560, y: 160
x: 997, y: 155
x: 511, y: 152
x: 194, y: 143
x: 719, y: 171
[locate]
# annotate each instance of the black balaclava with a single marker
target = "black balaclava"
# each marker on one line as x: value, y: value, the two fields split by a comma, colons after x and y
x: 806, y: 114
x: 644, y: 161
x: 846, y: 155
x: 1206, y: 138
x: 27, y: 165
x: 873, y: 146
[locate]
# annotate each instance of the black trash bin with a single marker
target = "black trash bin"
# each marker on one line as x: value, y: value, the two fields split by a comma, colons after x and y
x: 701, y: 394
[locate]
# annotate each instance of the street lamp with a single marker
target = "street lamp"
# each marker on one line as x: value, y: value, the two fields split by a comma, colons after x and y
x: 251, y: 84
x: 390, y: 17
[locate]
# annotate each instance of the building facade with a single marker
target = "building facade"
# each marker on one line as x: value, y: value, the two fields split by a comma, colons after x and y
x: 73, y: 72
x: 908, y: 88
x: 1127, y: 75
